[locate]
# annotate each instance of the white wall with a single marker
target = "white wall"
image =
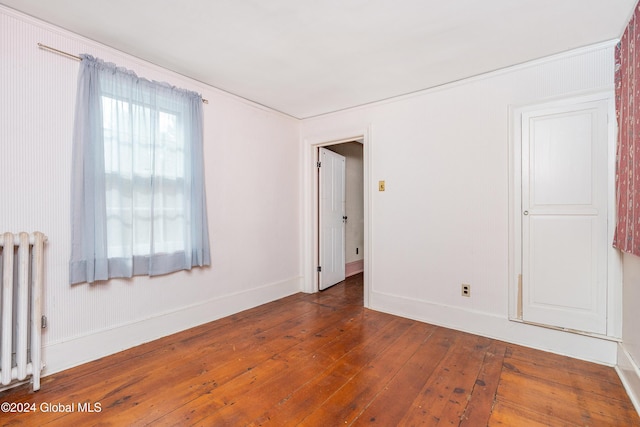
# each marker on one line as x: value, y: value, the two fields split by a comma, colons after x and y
x: 443, y: 219
x: 253, y: 197
x: 629, y: 352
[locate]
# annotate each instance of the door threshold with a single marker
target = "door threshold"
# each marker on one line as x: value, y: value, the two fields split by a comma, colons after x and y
x: 572, y: 331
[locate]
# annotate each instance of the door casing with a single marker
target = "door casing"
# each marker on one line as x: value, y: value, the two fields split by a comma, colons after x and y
x: 309, y: 225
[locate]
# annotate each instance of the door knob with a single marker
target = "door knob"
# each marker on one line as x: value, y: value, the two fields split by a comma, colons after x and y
x: 525, y: 213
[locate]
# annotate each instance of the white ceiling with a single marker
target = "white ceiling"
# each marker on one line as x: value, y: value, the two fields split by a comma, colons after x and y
x: 309, y: 57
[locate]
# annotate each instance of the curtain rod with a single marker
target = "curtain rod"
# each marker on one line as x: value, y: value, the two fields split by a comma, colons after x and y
x: 77, y: 58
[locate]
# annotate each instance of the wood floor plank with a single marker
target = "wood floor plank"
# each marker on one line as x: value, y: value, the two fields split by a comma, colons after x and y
x: 323, y: 359
x: 506, y: 414
x: 299, y: 404
x: 444, y: 397
x: 563, y: 402
x: 350, y: 400
x: 561, y: 363
x: 239, y: 361
x: 240, y: 396
x: 570, y: 378
x: 478, y: 410
x: 408, y: 382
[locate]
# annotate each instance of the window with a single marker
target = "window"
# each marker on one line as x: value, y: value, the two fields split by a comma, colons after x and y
x: 130, y: 162
x: 137, y: 184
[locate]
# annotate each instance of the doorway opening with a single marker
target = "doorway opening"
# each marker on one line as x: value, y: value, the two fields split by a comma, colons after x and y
x: 340, y: 212
x: 354, y: 262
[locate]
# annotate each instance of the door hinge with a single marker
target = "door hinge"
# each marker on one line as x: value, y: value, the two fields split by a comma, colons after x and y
x: 318, y: 164
x: 318, y: 269
x: 43, y: 322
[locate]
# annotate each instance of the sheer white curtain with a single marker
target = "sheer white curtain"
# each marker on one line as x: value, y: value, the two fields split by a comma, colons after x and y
x: 138, y: 199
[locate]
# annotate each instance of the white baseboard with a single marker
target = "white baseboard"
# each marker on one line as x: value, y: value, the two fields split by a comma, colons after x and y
x: 76, y: 351
x: 354, y: 267
x: 629, y: 373
x: 583, y: 347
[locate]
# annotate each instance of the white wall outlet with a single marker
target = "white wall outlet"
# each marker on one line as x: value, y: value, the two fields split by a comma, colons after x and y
x: 466, y: 290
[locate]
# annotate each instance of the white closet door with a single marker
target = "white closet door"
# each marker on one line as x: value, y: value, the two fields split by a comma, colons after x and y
x: 564, y: 216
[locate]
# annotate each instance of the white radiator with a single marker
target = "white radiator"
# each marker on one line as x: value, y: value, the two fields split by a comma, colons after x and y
x: 21, y: 268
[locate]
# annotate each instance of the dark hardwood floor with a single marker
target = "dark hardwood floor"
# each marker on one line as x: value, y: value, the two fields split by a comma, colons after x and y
x: 324, y: 360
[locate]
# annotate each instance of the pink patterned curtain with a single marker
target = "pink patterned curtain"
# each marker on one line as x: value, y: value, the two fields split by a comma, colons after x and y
x: 627, y: 81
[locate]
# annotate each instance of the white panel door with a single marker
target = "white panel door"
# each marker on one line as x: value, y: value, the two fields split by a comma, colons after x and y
x: 564, y: 216
x: 332, y: 217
